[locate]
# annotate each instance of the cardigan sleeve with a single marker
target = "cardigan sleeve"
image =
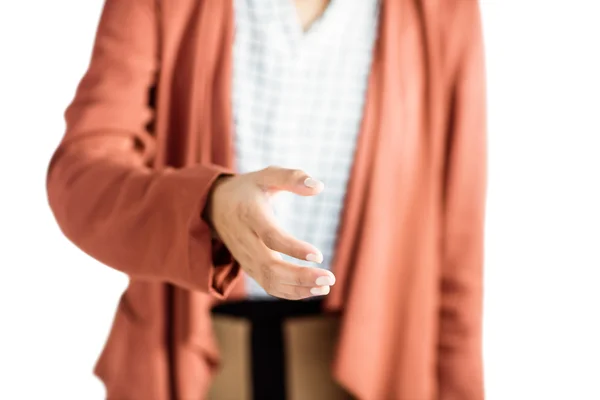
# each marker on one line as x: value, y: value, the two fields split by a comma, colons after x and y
x: 460, y: 366
x: 144, y: 222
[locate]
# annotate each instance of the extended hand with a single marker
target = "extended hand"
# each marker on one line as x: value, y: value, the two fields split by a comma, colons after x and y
x: 240, y: 212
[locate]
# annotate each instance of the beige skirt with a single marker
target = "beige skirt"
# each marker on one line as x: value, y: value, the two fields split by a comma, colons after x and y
x: 298, y: 345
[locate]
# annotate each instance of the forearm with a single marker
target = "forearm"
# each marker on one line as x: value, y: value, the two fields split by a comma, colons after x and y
x: 145, y: 223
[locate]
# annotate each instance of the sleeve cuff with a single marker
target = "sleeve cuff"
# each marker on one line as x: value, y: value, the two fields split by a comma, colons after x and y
x: 212, y: 266
x: 224, y: 272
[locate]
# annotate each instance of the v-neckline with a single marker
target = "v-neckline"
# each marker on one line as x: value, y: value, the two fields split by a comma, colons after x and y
x: 325, y: 25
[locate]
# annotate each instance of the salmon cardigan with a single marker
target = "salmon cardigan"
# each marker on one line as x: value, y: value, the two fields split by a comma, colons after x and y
x: 150, y: 129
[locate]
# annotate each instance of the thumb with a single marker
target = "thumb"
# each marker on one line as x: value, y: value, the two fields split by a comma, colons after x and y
x: 290, y: 180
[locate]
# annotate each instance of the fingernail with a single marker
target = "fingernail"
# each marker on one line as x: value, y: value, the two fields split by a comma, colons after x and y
x: 320, y: 291
x: 316, y: 258
x: 325, y: 281
x: 311, y: 183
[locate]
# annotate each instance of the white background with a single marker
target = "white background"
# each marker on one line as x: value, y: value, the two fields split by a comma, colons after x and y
x: 542, y: 304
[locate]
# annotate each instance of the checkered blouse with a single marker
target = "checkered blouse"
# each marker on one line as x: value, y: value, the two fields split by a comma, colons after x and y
x: 298, y: 101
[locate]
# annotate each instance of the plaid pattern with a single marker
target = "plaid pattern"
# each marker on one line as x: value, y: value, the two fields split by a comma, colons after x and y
x: 298, y: 101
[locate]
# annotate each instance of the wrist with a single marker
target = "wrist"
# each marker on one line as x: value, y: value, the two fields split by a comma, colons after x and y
x: 207, y: 213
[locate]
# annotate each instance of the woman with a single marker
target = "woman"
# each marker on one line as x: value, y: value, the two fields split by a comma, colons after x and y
x: 165, y: 173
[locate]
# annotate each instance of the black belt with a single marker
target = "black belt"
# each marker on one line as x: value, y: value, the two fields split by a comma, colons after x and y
x: 267, y: 340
